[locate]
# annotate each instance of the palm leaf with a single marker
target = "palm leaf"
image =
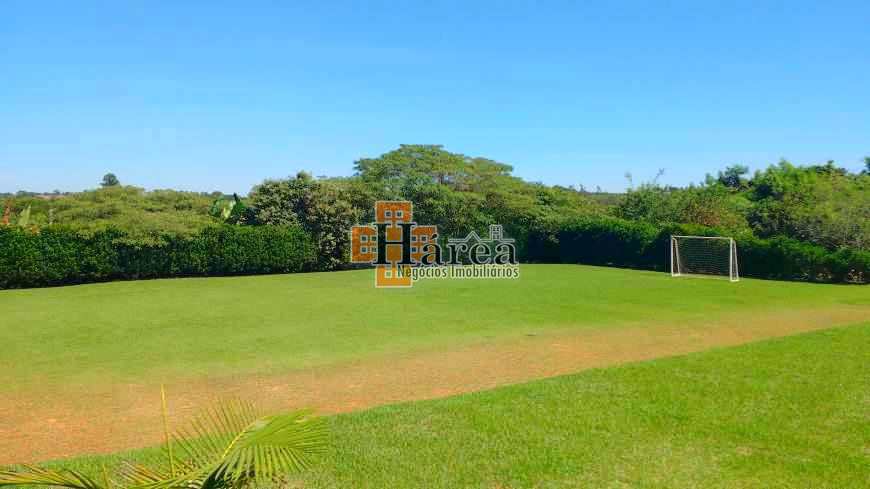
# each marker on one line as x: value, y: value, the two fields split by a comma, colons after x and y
x: 24, y: 217
x: 37, y: 476
x: 274, y: 445
x: 232, y: 444
x: 139, y: 475
x: 229, y: 445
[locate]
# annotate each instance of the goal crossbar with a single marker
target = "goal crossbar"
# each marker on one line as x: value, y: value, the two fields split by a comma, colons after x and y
x: 702, y: 237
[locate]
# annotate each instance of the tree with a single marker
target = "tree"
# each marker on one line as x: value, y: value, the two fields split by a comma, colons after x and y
x: 414, y: 165
x: 867, y: 165
x: 459, y: 193
x: 732, y: 177
x: 711, y: 205
x: 110, y: 180
x: 322, y: 207
x: 821, y: 204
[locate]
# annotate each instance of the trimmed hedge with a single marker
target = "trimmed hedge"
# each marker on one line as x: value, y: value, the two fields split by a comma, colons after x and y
x: 789, y: 259
x: 59, y: 256
x: 616, y: 242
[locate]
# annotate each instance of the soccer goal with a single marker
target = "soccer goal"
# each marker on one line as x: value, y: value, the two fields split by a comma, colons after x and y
x: 704, y: 255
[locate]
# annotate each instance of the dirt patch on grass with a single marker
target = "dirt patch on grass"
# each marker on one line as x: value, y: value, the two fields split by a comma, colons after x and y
x: 102, y: 419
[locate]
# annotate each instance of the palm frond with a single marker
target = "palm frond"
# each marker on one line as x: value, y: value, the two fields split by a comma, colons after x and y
x: 228, y: 446
x: 274, y: 445
x: 139, y: 475
x: 208, y: 436
x: 37, y: 476
x: 233, y: 443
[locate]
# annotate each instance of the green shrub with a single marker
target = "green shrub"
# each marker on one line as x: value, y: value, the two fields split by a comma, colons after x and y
x: 618, y: 242
x: 790, y: 259
x: 607, y: 241
x: 62, y: 256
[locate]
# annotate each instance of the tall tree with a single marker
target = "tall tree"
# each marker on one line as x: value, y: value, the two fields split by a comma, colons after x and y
x: 321, y: 207
x: 415, y: 165
x: 732, y: 177
x: 110, y: 180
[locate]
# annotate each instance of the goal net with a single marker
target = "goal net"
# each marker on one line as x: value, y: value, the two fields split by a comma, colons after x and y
x: 704, y: 255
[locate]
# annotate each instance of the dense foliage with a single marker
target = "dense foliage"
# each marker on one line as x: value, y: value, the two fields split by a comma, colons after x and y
x: 820, y: 204
x: 456, y: 192
x: 618, y: 242
x: 145, y: 218
x: 320, y: 207
x: 808, y: 223
x: 60, y: 256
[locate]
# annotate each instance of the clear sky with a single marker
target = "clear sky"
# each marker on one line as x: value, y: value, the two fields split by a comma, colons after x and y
x: 220, y: 95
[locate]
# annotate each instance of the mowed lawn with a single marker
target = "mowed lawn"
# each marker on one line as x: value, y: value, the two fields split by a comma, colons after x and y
x: 789, y: 412
x: 163, y: 330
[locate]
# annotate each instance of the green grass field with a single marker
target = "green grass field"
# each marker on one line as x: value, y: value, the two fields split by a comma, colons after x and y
x: 184, y: 328
x: 790, y: 412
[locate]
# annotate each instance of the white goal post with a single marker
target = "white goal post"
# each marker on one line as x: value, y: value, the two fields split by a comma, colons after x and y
x: 704, y: 255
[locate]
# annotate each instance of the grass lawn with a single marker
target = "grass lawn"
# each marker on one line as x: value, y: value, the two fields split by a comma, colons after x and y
x: 790, y: 412
x: 155, y: 330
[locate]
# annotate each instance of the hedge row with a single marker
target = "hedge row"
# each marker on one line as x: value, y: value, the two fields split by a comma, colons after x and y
x: 58, y: 256
x: 617, y: 242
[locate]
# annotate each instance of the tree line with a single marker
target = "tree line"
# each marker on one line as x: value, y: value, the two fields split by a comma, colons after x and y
x: 817, y: 208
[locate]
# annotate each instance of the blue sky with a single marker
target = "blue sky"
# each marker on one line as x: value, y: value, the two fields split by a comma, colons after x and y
x: 220, y: 95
